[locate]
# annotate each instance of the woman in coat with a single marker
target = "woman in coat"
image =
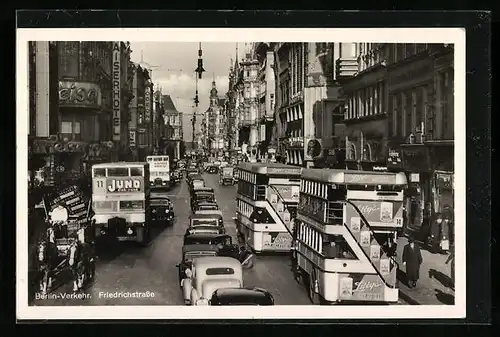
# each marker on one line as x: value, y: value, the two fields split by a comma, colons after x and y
x: 412, y: 259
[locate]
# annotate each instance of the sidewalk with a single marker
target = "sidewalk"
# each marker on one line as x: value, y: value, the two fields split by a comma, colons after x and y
x: 434, y: 286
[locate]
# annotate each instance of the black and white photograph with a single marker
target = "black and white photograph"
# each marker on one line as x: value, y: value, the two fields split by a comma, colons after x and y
x: 162, y: 172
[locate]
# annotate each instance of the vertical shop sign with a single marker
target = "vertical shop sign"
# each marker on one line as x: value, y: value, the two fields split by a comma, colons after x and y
x: 147, y: 104
x: 116, y: 90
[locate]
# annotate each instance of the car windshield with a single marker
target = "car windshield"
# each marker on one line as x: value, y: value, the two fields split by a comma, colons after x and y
x: 189, y: 256
x: 160, y: 202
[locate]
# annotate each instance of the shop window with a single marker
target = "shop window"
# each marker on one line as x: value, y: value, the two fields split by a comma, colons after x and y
x: 336, y: 247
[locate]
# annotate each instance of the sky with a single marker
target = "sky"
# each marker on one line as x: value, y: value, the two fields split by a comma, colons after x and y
x: 173, y: 65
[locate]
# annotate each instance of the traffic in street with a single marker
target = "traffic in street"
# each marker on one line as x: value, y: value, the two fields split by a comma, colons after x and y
x: 128, y: 274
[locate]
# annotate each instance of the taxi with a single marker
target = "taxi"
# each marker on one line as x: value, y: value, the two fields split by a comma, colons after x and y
x: 208, y: 274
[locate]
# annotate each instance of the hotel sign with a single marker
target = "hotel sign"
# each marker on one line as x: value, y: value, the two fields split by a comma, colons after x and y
x: 116, y: 78
x: 79, y: 94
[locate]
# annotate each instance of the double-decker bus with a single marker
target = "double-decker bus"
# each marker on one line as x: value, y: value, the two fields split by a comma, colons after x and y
x: 267, y: 199
x: 120, y: 200
x: 159, y: 171
x: 346, y: 230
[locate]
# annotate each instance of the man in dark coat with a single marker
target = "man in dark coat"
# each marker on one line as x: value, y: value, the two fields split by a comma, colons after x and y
x: 412, y: 259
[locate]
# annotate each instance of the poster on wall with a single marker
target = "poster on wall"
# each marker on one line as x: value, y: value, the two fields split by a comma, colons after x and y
x: 116, y: 85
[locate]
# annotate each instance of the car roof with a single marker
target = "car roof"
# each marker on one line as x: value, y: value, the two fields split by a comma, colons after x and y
x: 242, y: 294
x: 200, y: 247
x: 214, y: 261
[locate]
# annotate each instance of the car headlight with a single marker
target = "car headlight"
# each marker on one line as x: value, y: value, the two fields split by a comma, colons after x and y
x: 202, y: 301
x: 154, y: 210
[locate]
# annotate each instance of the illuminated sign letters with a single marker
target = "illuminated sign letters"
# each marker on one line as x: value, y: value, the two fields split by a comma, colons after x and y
x: 79, y: 94
x: 116, y: 85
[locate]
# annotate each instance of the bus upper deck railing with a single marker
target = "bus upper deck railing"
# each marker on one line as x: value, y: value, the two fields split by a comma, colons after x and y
x: 334, y: 213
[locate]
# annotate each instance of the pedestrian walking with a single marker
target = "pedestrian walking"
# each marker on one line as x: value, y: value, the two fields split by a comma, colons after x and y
x: 444, y: 243
x: 435, y: 233
x: 412, y: 259
x: 425, y: 230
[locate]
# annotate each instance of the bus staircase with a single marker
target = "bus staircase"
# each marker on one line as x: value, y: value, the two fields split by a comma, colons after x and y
x: 280, y: 208
x: 385, y: 265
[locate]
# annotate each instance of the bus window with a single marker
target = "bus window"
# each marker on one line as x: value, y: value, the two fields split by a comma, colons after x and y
x: 136, y: 172
x: 336, y: 247
x: 261, y: 215
x: 118, y: 172
x: 99, y: 172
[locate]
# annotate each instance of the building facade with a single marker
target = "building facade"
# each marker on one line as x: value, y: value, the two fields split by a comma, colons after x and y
x: 309, y: 101
x: 173, y: 134
x: 80, y: 92
x: 141, y: 123
x: 421, y: 125
x: 264, y: 52
x: 362, y: 71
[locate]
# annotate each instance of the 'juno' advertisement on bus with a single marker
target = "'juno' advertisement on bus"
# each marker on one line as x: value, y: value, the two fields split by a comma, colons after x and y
x: 120, y: 185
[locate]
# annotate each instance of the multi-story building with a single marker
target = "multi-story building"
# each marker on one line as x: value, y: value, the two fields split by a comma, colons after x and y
x: 309, y: 101
x: 421, y: 125
x: 362, y: 70
x: 79, y: 108
x: 399, y: 117
x: 173, y: 127
x: 141, y: 124
x: 248, y: 104
x: 234, y: 96
x: 266, y: 100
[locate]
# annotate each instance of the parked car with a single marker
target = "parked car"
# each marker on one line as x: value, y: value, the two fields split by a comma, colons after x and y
x: 241, y: 296
x: 207, y: 274
x: 162, y: 209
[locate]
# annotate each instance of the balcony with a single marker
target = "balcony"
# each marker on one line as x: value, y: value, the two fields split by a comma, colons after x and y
x: 346, y: 67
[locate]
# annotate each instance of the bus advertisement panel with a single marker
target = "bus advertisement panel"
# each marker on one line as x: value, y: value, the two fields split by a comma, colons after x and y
x: 159, y: 170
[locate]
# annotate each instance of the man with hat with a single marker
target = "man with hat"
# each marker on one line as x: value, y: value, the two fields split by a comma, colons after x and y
x: 412, y: 259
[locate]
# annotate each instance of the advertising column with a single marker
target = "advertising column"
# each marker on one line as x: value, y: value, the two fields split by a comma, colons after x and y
x: 116, y: 92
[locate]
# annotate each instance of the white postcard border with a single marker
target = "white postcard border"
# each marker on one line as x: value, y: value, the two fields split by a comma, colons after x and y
x: 389, y: 35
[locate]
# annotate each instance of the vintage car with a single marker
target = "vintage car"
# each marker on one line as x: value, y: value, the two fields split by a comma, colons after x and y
x: 206, y: 218
x: 202, y: 196
x: 242, y: 296
x: 224, y: 241
x: 207, y: 274
x: 162, y: 209
x: 190, y: 252
x: 175, y: 176
x: 195, y: 181
x: 212, y: 168
x: 191, y: 172
x: 226, y: 176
